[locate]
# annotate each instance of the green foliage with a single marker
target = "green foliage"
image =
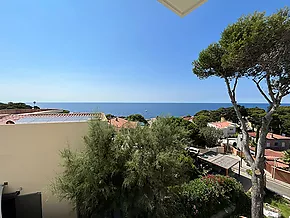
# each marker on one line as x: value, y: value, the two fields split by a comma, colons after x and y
x: 202, y: 120
x: 138, y: 118
x: 207, y: 196
x: 250, y: 172
x: 110, y: 116
x: 286, y: 156
x: 203, y: 117
x: 281, y: 122
x: 127, y: 172
x: 11, y: 105
x: 279, y: 202
x: 255, y: 115
x: 65, y: 112
x: 211, y: 135
x: 261, y: 39
x: 256, y: 46
x: 192, y: 129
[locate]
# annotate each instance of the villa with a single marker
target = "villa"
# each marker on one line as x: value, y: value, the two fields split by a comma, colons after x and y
x: 228, y: 128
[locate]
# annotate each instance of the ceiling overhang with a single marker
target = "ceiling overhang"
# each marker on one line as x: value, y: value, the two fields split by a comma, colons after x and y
x: 182, y: 7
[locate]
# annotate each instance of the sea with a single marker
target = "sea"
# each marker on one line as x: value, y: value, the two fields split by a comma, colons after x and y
x: 148, y: 110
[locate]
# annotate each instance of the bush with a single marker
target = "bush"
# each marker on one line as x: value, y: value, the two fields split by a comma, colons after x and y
x: 211, y: 135
x: 127, y: 171
x: 142, y: 172
x: 208, y: 195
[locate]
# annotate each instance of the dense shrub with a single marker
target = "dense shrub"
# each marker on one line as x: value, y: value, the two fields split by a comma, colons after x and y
x: 208, y: 195
x: 126, y: 172
x: 143, y: 172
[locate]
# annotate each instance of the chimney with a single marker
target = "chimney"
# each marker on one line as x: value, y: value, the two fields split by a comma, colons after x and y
x: 117, y: 119
x: 223, y: 119
x: 283, y: 134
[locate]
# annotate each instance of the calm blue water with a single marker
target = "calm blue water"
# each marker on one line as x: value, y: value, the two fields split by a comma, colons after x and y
x: 148, y: 110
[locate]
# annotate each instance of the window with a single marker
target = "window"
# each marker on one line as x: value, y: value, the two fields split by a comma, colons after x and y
x: 276, y: 144
x: 283, y: 144
x: 268, y: 144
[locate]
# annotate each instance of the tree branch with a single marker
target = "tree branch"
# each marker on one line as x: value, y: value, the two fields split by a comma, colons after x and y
x: 264, y: 131
x: 235, y: 86
x: 261, y: 90
x: 268, y: 79
x: 245, y: 142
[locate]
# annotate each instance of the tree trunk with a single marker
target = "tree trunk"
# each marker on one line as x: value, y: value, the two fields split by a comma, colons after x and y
x: 257, y: 164
x: 257, y: 194
x: 258, y: 177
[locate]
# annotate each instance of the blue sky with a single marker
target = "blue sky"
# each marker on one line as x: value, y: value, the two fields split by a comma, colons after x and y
x: 121, y: 51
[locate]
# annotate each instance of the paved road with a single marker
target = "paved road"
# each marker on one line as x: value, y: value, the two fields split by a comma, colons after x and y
x: 276, y: 186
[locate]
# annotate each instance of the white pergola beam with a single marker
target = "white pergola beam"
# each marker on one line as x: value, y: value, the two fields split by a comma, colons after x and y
x: 182, y: 7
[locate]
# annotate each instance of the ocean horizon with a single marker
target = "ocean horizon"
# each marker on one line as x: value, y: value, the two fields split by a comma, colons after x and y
x: 148, y: 110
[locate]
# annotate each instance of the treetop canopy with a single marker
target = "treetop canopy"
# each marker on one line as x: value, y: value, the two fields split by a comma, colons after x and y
x: 255, y: 44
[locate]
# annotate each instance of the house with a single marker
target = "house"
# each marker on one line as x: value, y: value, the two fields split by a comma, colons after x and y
x: 30, y: 151
x: 188, y: 118
x: 122, y: 123
x: 228, y: 128
x: 274, y: 141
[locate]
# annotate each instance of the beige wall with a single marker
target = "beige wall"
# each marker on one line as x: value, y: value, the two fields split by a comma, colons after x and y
x: 29, y: 158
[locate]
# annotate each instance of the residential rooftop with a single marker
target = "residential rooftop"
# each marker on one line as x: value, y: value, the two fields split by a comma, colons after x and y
x: 222, y: 125
x: 49, y: 118
x: 122, y: 123
x: 271, y: 136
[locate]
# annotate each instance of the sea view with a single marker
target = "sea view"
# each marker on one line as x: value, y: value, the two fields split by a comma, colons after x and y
x: 148, y: 110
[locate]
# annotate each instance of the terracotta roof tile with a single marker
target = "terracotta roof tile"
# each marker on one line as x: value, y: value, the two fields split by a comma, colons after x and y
x: 278, y: 164
x: 122, y: 123
x: 271, y: 136
x: 188, y: 118
x: 223, y: 124
x: 270, y: 153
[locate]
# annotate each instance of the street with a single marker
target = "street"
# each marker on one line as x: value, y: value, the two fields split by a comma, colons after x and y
x: 276, y: 186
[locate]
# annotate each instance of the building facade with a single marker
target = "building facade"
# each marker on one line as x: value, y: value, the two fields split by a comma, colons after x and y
x: 274, y: 141
x: 228, y: 128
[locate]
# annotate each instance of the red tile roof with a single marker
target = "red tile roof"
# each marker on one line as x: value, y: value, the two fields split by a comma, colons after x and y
x: 223, y: 124
x: 188, y: 118
x: 277, y: 164
x: 122, y: 123
x: 271, y: 136
x: 269, y: 153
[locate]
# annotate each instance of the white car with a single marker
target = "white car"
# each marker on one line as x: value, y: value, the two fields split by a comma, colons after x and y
x: 192, y: 150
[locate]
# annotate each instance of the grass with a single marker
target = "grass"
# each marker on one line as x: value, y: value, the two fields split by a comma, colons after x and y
x: 278, y: 202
